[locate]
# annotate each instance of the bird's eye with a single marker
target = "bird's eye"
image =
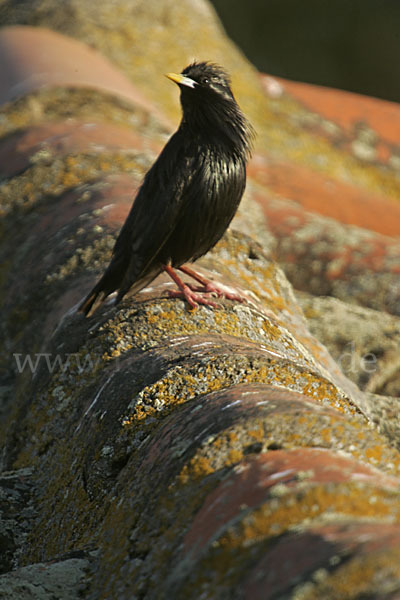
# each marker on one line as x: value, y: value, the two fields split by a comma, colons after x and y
x: 205, y: 80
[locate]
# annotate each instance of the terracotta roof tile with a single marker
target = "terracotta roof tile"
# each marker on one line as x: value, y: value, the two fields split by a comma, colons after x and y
x: 36, y: 57
x: 202, y: 453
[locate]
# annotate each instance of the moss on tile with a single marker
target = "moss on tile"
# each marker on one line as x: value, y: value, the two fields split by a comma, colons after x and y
x: 44, y: 181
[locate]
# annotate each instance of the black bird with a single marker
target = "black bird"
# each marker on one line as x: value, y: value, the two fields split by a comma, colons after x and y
x: 188, y: 197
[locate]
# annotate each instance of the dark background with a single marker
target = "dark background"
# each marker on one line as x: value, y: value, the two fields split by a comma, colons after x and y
x: 349, y: 44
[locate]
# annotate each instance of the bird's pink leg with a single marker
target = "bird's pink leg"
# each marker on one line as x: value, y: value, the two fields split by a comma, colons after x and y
x: 193, y: 297
x: 213, y: 287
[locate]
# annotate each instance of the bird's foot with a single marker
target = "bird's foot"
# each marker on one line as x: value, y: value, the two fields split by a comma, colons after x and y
x: 195, y: 295
x: 213, y: 287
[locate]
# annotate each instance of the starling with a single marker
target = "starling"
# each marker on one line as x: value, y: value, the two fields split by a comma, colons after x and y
x: 188, y: 197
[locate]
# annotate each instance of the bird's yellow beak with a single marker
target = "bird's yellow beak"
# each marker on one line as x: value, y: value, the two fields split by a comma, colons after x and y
x: 181, y: 79
x: 174, y: 77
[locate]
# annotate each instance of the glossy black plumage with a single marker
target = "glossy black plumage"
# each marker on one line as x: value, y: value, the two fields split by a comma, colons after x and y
x: 190, y: 194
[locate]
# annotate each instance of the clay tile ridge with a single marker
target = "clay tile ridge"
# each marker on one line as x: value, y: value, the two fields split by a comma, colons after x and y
x: 34, y: 57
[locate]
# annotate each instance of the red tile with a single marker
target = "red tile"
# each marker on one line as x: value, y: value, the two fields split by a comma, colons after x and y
x: 34, y: 57
x: 250, y: 484
x: 66, y: 137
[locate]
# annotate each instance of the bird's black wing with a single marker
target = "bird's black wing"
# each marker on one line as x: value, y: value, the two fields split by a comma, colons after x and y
x: 148, y: 226
x: 153, y: 215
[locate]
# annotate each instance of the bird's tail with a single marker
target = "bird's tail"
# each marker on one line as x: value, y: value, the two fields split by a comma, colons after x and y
x: 92, y: 301
x: 110, y: 282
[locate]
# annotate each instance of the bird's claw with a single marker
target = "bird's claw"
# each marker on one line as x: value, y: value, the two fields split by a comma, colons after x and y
x: 221, y: 291
x: 193, y: 298
x: 196, y: 295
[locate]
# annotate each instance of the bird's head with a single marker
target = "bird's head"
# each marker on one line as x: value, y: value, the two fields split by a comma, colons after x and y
x: 208, y: 103
x: 203, y: 82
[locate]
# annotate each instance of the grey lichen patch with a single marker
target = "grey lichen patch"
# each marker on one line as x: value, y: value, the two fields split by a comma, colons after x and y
x: 364, y: 342
x: 90, y: 258
x: 68, y: 376
x: 394, y: 161
x: 363, y: 150
x: 331, y: 128
x: 44, y: 155
x: 44, y: 180
x: 64, y: 580
x: 149, y: 325
x: 355, y: 277
x: 185, y: 382
x: 375, y: 574
x: 245, y: 260
x: 288, y: 429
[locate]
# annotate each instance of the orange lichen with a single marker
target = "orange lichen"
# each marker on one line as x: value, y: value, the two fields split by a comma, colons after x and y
x: 258, y: 434
x: 234, y: 456
x: 368, y: 574
x: 197, y: 468
x: 273, y: 518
